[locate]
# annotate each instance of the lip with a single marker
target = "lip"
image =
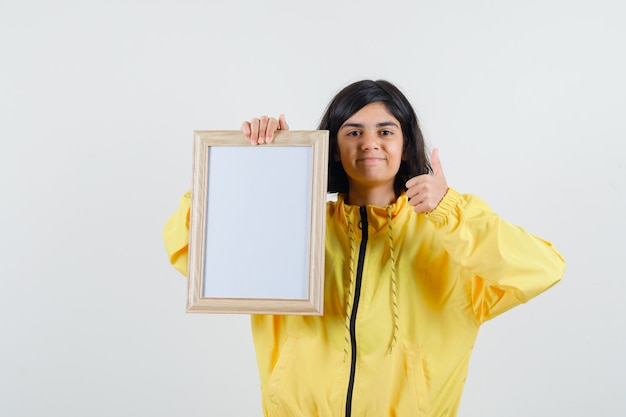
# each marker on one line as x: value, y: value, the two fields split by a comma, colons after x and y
x: 370, y: 159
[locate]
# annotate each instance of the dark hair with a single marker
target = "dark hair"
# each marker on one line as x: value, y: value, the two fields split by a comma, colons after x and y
x: 353, y: 98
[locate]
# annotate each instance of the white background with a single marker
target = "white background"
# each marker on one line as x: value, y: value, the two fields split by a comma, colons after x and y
x: 98, y: 101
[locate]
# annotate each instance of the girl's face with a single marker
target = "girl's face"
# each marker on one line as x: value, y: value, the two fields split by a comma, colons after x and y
x: 370, y: 148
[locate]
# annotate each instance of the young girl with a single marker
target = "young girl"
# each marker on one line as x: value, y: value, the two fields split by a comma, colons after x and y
x: 413, y: 268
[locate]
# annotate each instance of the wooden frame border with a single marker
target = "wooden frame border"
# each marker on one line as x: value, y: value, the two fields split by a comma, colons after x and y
x: 313, y: 303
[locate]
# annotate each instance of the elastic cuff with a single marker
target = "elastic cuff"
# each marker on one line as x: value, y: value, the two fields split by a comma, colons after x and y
x: 449, y: 201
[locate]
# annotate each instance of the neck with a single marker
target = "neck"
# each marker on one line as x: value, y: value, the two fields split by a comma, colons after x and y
x: 372, y: 196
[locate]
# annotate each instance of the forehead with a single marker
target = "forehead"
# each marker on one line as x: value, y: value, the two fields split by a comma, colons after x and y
x: 373, y: 113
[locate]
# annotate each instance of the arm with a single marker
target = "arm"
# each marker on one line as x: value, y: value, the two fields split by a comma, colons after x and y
x: 508, y: 265
x: 176, y: 235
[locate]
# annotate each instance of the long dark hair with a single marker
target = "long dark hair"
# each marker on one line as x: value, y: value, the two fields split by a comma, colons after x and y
x: 353, y: 98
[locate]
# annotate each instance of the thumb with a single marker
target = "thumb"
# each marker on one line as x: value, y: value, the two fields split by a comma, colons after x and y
x: 435, y: 163
x: 282, y: 122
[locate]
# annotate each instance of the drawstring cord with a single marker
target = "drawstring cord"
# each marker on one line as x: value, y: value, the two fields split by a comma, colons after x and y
x: 351, y: 288
x: 351, y: 239
x: 394, y: 283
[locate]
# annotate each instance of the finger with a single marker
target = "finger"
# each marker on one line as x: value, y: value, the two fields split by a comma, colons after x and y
x: 263, y: 122
x: 423, y: 202
x: 282, y: 122
x: 254, y: 131
x: 245, y: 129
x: 435, y: 163
x: 418, y: 201
x: 417, y: 188
x: 422, y: 207
x: 412, y: 193
x: 412, y: 182
x: 272, y: 127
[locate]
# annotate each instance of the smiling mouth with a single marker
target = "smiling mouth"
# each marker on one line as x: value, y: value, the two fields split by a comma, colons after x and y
x: 370, y: 159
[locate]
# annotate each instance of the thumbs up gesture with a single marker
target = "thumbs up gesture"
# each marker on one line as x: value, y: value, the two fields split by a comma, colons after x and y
x: 426, y: 191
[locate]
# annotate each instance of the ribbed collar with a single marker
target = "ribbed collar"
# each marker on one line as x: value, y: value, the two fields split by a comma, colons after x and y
x: 377, y: 216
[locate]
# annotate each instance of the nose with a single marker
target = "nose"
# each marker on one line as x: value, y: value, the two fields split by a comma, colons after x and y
x: 369, y: 141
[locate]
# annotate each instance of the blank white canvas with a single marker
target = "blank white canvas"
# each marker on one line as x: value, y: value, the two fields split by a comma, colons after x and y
x: 257, y: 240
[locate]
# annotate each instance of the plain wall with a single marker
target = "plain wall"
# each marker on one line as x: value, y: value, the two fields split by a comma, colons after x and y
x: 98, y: 102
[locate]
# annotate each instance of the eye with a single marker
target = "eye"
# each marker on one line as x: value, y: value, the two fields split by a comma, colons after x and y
x: 353, y: 133
x: 386, y: 133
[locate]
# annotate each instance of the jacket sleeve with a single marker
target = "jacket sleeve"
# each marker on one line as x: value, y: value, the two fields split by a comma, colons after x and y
x: 176, y: 235
x: 508, y: 266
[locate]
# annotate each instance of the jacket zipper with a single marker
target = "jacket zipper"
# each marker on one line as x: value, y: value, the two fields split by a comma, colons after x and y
x: 355, y: 306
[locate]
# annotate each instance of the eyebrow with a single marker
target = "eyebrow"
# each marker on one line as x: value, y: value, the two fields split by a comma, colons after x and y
x: 361, y: 126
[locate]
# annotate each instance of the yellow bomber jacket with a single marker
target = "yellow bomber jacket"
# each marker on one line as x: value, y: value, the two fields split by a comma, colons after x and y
x: 404, y: 297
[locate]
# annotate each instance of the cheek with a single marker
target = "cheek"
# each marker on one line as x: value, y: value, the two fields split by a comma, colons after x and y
x: 398, y: 152
x: 340, y: 153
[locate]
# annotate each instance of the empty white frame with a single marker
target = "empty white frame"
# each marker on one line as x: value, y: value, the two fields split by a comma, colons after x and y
x: 258, y: 223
